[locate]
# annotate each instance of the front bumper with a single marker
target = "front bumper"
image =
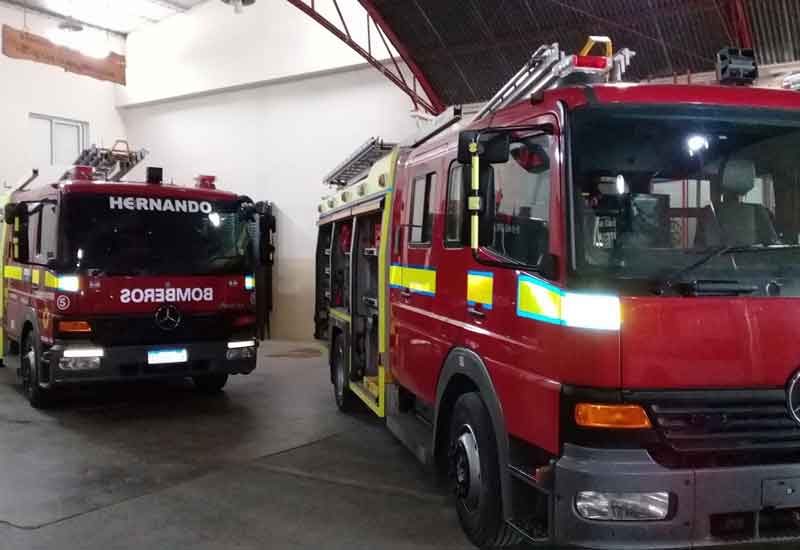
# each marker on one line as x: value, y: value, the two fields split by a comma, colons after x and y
x: 130, y: 363
x: 714, y: 507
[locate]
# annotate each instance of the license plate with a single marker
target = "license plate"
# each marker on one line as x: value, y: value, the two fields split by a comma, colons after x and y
x: 165, y: 356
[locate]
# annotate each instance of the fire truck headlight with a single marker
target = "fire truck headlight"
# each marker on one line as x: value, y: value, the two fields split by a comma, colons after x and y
x: 69, y: 283
x: 81, y: 359
x: 595, y: 311
x: 249, y: 282
x: 623, y: 506
x: 242, y: 349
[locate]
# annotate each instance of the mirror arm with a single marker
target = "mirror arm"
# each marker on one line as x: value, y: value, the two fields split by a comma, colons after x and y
x: 474, y: 197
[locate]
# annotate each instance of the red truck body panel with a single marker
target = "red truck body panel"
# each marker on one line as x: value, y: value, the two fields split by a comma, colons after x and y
x: 664, y: 343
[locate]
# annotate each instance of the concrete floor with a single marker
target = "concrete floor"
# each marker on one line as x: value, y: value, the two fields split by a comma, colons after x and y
x: 270, y: 463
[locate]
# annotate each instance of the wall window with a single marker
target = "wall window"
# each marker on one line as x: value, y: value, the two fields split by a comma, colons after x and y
x: 522, y: 201
x: 421, y: 209
x: 56, y: 141
x: 454, y: 210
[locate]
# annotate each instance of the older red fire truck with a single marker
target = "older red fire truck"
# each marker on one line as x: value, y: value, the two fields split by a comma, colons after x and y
x: 583, y: 306
x: 106, y: 280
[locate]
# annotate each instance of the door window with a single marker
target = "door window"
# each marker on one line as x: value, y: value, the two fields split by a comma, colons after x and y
x: 455, y: 208
x: 421, y: 209
x: 521, y: 228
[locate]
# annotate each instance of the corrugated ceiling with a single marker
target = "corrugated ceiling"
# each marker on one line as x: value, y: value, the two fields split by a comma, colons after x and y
x: 469, y: 48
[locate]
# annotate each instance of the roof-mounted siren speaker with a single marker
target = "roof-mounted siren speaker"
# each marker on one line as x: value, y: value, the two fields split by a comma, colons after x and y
x: 155, y: 175
x: 238, y: 5
x: 736, y: 66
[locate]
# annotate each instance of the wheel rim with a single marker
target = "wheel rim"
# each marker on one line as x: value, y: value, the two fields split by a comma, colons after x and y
x: 28, y: 358
x: 466, y: 468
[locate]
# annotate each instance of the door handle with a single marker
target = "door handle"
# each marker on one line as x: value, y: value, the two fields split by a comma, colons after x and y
x: 475, y: 312
x: 405, y: 293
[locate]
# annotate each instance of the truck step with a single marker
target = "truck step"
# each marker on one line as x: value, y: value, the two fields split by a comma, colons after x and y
x: 414, y: 434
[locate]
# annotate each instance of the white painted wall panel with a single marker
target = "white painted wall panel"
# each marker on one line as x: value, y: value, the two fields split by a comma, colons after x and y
x: 27, y: 87
x: 275, y: 142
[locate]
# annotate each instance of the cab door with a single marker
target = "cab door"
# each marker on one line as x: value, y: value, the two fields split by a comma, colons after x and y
x: 511, y: 314
x: 419, y: 333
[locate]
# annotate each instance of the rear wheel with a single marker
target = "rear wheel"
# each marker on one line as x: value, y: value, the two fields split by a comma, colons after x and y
x: 210, y: 383
x: 475, y: 475
x: 345, y: 399
x: 30, y: 368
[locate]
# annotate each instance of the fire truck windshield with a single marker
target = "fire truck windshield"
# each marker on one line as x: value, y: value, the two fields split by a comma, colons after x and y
x: 122, y: 235
x: 688, y: 194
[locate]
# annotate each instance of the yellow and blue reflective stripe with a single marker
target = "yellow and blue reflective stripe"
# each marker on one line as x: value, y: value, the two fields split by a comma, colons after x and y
x: 537, y: 299
x: 12, y: 272
x: 417, y: 279
x: 480, y: 288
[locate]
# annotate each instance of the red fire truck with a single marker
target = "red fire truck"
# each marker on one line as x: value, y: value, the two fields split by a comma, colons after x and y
x: 583, y: 306
x: 106, y: 280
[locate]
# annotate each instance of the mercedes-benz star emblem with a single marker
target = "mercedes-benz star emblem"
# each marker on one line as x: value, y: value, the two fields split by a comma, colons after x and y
x: 793, y: 397
x: 168, y: 317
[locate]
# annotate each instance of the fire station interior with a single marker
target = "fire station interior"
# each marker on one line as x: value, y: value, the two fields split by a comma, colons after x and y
x: 238, y: 236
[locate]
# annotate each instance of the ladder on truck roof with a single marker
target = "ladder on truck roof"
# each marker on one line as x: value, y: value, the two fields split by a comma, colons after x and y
x: 549, y: 67
x: 109, y: 164
x: 358, y: 164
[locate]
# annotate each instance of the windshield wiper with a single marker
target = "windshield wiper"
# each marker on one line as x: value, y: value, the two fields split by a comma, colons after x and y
x: 717, y: 286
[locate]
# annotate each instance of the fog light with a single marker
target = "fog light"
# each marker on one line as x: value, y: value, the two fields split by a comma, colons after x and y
x: 240, y: 353
x: 623, y: 506
x: 79, y: 363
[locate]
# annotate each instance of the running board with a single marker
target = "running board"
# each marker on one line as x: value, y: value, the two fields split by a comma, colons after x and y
x: 412, y: 431
x: 414, y: 434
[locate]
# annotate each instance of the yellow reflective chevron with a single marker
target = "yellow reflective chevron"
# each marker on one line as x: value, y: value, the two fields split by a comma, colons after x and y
x: 12, y: 272
x: 35, y: 276
x: 539, y: 300
x: 421, y: 280
x: 480, y: 288
x: 50, y: 280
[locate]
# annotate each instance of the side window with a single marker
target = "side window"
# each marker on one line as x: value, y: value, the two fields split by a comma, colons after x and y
x: 25, y: 233
x: 455, y: 215
x: 48, y: 236
x: 421, y: 209
x: 521, y: 229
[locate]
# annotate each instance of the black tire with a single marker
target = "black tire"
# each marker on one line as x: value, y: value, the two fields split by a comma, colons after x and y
x: 479, y: 503
x: 30, y: 358
x: 345, y: 399
x: 210, y: 383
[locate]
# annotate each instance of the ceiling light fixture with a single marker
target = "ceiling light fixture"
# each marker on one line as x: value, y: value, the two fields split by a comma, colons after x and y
x: 239, y: 4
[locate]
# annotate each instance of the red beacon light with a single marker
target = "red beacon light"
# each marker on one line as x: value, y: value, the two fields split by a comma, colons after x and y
x: 599, y: 62
x: 82, y: 173
x: 205, y: 182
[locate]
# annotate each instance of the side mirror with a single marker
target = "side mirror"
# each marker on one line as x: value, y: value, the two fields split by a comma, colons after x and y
x: 493, y: 147
x: 247, y: 211
x: 10, y: 212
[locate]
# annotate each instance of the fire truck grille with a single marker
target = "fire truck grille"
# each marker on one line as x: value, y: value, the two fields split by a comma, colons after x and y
x: 726, y: 426
x: 143, y: 330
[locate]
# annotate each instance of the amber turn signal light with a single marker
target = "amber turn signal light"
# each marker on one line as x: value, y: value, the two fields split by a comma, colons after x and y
x: 592, y: 415
x: 74, y: 326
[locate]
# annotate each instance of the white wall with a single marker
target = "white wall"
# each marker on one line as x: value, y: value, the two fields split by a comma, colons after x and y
x: 275, y: 142
x: 211, y: 48
x: 28, y: 87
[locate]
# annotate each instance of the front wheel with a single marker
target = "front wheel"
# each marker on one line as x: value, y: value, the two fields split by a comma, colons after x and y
x: 210, y: 383
x: 475, y: 475
x: 30, y: 367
